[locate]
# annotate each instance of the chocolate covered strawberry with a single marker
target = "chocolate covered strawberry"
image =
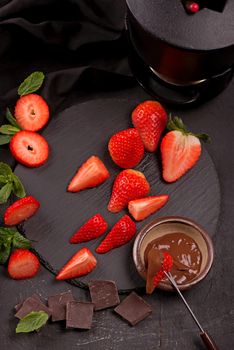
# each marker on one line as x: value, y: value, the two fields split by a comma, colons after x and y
x: 143, y: 207
x: 93, y: 228
x: 91, y: 173
x: 150, y: 119
x: 126, y: 148
x: 128, y: 185
x: 122, y: 232
x: 23, y: 264
x: 21, y: 210
x: 180, y: 150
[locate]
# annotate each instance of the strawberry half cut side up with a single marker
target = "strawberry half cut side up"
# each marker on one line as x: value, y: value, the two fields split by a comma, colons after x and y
x: 92, y: 229
x: 91, y: 173
x: 21, y: 210
x: 82, y: 263
x: 180, y: 150
x: 23, y: 264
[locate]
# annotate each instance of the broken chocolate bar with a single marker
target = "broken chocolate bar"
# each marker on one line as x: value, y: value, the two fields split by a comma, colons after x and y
x: 29, y: 305
x: 34, y: 296
x: 133, y: 309
x: 104, y: 294
x: 79, y: 315
x: 57, y: 304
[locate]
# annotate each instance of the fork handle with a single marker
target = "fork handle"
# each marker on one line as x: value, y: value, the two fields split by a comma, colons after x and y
x: 208, y: 341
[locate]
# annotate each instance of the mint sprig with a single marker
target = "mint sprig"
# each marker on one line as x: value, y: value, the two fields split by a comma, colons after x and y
x: 8, y: 130
x: 32, y: 322
x: 9, y: 183
x: 31, y: 84
x: 11, y: 239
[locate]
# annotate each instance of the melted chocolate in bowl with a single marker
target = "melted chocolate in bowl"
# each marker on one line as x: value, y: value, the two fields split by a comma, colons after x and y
x: 187, y: 257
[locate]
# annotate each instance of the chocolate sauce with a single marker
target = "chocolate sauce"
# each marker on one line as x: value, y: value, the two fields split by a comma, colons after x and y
x: 187, y: 257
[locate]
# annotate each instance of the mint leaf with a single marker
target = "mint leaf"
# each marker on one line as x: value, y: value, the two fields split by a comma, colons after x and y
x: 32, y: 322
x: 5, y: 249
x: 31, y: 84
x: 3, y: 180
x: 8, y: 129
x: 11, y: 119
x: 20, y: 241
x: 5, y: 169
x: 5, y: 192
x: 4, y: 139
x: 18, y: 188
x: 6, y: 232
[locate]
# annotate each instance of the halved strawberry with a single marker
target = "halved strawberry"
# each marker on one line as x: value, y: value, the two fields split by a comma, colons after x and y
x: 31, y: 112
x: 23, y: 264
x: 29, y: 148
x: 129, y: 184
x: 122, y: 232
x: 91, y: 173
x: 126, y: 148
x: 82, y: 263
x: 150, y: 119
x: 180, y: 150
x: 21, y: 210
x: 142, y: 208
x: 92, y: 229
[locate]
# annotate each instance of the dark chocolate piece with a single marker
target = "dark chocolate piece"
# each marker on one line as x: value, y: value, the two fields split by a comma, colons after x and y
x: 29, y: 305
x: 104, y: 294
x: 79, y: 315
x: 133, y: 309
x: 34, y: 296
x: 57, y: 304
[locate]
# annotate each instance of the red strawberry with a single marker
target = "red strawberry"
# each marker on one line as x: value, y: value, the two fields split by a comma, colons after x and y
x: 180, y: 150
x: 150, y: 119
x: 129, y: 185
x: 31, y: 112
x: 166, y: 267
x: 142, y: 208
x: 92, y: 229
x: 21, y: 210
x: 122, y: 232
x: 82, y: 263
x: 29, y: 148
x: 91, y: 173
x: 23, y: 264
x: 126, y: 148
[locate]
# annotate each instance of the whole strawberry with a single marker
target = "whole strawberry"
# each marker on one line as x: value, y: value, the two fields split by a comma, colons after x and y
x: 129, y: 185
x: 150, y: 119
x: 126, y: 148
x: 122, y: 232
x: 180, y: 150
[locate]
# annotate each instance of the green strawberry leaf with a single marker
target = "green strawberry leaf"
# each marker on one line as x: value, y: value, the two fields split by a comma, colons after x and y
x: 5, y: 192
x: 31, y: 84
x: 20, y: 241
x: 11, y: 119
x: 5, y: 249
x: 5, y: 169
x: 18, y: 188
x: 32, y: 322
x: 8, y: 129
x: 4, y: 139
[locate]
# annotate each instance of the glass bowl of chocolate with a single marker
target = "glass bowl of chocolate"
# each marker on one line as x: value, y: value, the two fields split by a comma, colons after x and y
x: 188, y: 243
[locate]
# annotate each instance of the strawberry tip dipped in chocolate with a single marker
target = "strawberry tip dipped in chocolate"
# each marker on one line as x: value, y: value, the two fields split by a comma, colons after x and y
x: 180, y: 150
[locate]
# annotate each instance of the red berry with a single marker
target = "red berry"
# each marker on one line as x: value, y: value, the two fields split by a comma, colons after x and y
x: 23, y: 264
x: 166, y: 267
x: 143, y: 207
x: 192, y: 7
x: 31, y: 112
x: 21, y: 210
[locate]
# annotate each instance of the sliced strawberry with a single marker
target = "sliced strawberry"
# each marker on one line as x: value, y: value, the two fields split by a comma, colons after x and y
x: 142, y: 208
x: 29, y: 148
x: 129, y: 185
x: 180, y: 150
x: 122, y: 232
x: 92, y: 229
x: 166, y: 267
x: 150, y: 119
x: 91, y: 173
x: 23, y: 264
x: 21, y: 210
x: 126, y: 148
x: 82, y: 263
x: 31, y: 112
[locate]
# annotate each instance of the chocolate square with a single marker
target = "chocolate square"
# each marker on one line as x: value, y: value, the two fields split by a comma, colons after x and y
x: 57, y: 304
x: 79, y: 315
x: 133, y: 309
x: 35, y: 296
x: 104, y: 294
x: 29, y: 305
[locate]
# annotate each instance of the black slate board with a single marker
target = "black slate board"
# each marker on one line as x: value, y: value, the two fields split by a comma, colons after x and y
x: 77, y: 133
